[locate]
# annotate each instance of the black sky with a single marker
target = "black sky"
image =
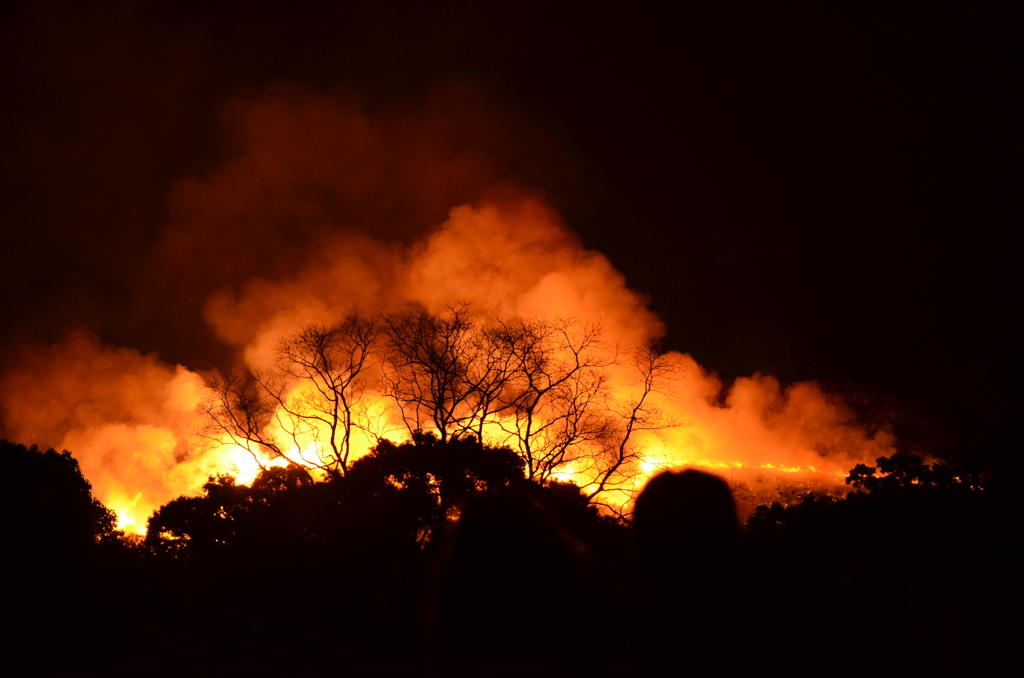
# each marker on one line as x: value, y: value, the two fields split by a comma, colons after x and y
x: 812, y: 190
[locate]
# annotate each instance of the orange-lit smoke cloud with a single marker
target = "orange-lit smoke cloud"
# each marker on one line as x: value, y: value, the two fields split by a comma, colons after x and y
x: 128, y: 417
x: 518, y: 259
x: 307, y: 177
x: 323, y: 211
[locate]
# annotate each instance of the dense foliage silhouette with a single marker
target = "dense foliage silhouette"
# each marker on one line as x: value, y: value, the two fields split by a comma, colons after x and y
x: 508, y: 591
x: 917, y: 557
x: 441, y: 558
x: 49, y: 539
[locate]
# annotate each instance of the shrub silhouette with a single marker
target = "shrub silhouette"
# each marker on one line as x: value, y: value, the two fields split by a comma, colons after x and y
x: 436, y: 476
x: 49, y: 558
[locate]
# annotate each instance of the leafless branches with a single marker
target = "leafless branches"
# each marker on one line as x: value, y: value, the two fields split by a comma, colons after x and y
x: 554, y: 384
x: 636, y: 412
x: 314, y: 397
x: 542, y: 387
x: 436, y: 369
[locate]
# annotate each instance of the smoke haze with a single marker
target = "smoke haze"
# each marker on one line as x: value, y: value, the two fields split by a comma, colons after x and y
x: 321, y: 210
x: 808, y: 194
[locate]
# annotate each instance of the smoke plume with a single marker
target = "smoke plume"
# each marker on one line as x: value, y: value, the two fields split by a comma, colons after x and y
x: 322, y: 209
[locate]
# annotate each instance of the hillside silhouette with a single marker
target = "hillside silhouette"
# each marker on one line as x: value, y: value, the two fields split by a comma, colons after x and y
x: 441, y: 558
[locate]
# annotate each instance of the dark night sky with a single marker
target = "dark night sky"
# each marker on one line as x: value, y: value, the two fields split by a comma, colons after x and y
x: 805, y: 189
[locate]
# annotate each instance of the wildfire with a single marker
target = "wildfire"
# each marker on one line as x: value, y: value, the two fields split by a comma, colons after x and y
x: 609, y: 463
x: 141, y: 428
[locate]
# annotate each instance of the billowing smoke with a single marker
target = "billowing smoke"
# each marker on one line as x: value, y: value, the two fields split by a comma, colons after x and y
x: 129, y: 418
x: 308, y: 178
x: 323, y: 210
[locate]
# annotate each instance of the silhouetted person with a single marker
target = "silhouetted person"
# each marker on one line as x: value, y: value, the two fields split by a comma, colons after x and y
x: 507, y: 591
x: 686, y: 536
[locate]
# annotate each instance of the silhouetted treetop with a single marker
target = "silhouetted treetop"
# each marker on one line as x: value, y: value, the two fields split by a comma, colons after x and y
x: 57, y: 513
x: 540, y: 387
x: 437, y: 475
x: 903, y: 471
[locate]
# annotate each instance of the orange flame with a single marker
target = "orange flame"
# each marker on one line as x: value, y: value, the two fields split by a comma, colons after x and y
x: 133, y: 421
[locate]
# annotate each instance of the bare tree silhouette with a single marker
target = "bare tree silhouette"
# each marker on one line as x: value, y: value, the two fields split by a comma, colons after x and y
x: 541, y: 387
x: 315, y: 396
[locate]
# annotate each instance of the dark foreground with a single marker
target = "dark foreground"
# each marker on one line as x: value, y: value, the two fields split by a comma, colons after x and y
x: 440, y: 560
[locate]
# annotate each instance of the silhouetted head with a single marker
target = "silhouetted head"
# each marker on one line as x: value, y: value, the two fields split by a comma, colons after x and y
x: 685, y: 521
x: 686, y: 536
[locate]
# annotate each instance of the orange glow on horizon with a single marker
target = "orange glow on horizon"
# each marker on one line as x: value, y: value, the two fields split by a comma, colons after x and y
x: 135, y: 424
